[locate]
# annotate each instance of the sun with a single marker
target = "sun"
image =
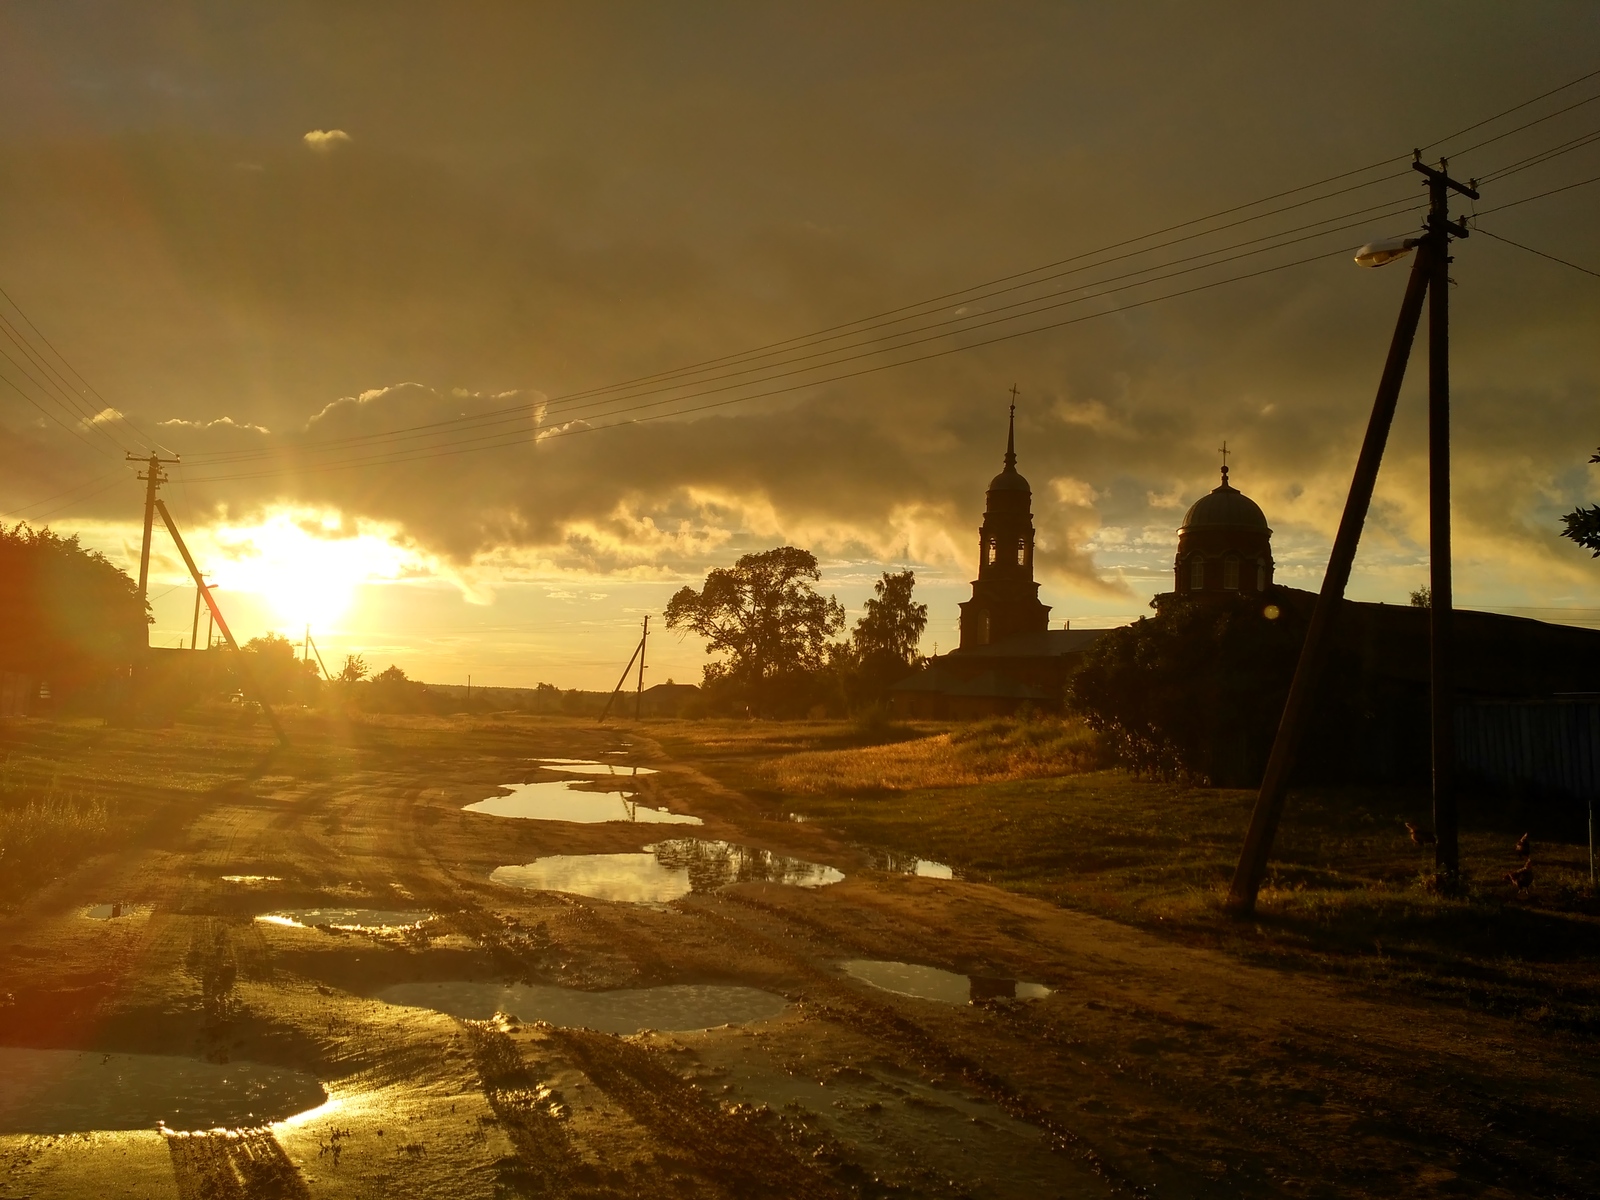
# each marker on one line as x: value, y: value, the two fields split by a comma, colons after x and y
x: 306, y: 566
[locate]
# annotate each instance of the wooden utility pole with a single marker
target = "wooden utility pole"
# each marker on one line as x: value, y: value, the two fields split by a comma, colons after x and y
x: 1318, y: 646
x: 638, y: 693
x: 194, y: 627
x: 153, y: 478
x: 638, y: 654
x: 1429, y: 276
x: 1441, y: 605
x: 216, y: 613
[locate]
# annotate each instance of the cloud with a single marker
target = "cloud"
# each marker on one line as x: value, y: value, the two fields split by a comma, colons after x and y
x: 106, y: 416
x: 325, y: 141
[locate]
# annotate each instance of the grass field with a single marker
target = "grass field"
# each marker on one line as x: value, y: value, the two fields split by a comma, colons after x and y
x: 1025, y: 807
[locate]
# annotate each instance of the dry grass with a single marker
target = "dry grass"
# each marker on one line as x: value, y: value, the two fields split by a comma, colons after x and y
x: 986, y: 752
x: 42, y: 830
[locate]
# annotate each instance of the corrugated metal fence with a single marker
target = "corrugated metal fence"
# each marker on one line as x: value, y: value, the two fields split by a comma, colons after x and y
x: 1547, y: 747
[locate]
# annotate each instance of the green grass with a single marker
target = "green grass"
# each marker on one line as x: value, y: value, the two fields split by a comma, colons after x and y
x: 1347, y: 893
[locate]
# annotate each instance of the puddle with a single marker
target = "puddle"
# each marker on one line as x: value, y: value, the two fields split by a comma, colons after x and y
x: 109, y: 912
x: 252, y: 879
x: 676, y: 1008
x: 912, y: 1138
x: 348, y: 918
x: 560, y: 800
x: 664, y: 872
x: 75, y: 1091
x: 908, y: 864
x: 587, y: 766
x: 930, y: 983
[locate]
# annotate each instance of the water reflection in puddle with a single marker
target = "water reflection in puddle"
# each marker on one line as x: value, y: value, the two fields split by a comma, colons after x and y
x: 587, y: 766
x: 559, y: 800
x: 74, y: 1091
x: 930, y: 983
x: 348, y: 918
x: 251, y: 880
x: 665, y: 871
x: 908, y: 864
x: 109, y: 912
x: 675, y: 1008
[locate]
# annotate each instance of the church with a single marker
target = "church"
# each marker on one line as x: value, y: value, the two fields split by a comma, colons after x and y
x: 1009, y: 657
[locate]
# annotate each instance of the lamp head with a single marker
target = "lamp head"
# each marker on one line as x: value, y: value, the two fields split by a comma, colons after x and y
x: 1377, y: 254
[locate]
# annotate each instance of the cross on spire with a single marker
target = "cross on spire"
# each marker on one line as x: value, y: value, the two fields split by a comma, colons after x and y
x: 1011, y: 432
x: 1224, y: 452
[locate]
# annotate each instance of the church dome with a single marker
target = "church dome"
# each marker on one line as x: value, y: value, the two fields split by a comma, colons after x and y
x: 1225, y: 506
x: 1009, y: 481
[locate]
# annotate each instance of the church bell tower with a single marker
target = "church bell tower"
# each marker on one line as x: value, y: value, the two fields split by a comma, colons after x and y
x: 1005, y: 599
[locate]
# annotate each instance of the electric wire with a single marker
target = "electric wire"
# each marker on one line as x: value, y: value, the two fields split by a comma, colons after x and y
x: 962, y: 324
x: 1506, y: 112
x: 51, y: 387
x: 574, y: 429
x: 1544, y: 156
x: 1497, y: 237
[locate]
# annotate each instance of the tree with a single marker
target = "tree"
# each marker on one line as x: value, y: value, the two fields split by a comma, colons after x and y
x: 66, y: 613
x: 891, y: 630
x: 765, y: 615
x: 354, y: 669
x: 277, y: 673
x: 885, y: 644
x: 1583, y: 524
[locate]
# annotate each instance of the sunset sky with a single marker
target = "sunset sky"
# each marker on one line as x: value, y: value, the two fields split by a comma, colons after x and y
x: 266, y: 234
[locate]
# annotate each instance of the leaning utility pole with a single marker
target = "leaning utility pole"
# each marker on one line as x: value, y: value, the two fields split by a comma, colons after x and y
x: 1430, y: 277
x: 153, y: 478
x: 638, y: 653
x: 1441, y: 617
x: 638, y: 694
x: 216, y: 613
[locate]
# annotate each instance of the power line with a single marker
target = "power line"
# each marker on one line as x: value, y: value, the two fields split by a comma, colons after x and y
x: 1506, y: 112
x: 1539, y: 196
x: 952, y: 327
x: 1004, y: 337
x: 1476, y: 228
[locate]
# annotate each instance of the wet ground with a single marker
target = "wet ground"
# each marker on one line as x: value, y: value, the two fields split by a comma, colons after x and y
x: 784, y: 1015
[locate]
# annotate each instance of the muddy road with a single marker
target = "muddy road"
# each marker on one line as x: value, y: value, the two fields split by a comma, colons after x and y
x: 339, y: 922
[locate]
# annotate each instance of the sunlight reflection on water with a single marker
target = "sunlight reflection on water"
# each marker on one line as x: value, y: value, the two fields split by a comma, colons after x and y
x: 74, y: 1091
x: 931, y: 983
x: 559, y: 800
x: 674, y: 1008
x: 664, y: 872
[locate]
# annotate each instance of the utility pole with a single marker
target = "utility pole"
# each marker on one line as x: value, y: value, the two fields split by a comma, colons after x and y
x: 1441, y: 607
x: 305, y: 649
x: 1429, y: 277
x: 194, y: 627
x: 153, y: 478
x: 638, y: 693
x: 638, y: 653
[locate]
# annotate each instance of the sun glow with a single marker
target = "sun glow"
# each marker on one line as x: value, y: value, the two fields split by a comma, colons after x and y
x: 307, y: 565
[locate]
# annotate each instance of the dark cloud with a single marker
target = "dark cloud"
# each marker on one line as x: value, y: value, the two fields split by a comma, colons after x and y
x: 540, y: 204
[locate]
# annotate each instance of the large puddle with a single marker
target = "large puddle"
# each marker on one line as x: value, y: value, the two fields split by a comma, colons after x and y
x: 75, y: 1091
x: 930, y: 983
x: 348, y: 918
x: 562, y: 800
x: 664, y: 872
x: 675, y: 1008
x: 585, y: 766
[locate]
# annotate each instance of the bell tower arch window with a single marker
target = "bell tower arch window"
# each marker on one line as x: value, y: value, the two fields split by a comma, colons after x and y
x: 1230, y: 573
x: 1197, y: 573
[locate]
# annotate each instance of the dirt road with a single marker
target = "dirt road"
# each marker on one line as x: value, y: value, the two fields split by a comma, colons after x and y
x: 1148, y: 1068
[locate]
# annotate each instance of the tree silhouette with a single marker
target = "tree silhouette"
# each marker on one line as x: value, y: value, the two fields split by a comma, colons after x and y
x: 1583, y: 524
x: 764, y: 614
x: 66, y: 613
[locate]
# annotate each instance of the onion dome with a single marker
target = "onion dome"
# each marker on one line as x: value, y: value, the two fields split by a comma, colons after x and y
x: 1225, y: 506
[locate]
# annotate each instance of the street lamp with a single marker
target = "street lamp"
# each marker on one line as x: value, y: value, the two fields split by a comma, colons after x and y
x: 1378, y: 254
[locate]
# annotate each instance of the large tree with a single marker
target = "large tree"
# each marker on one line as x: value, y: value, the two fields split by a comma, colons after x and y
x: 66, y: 613
x: 764, y: 613
x: 1583, y: 524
